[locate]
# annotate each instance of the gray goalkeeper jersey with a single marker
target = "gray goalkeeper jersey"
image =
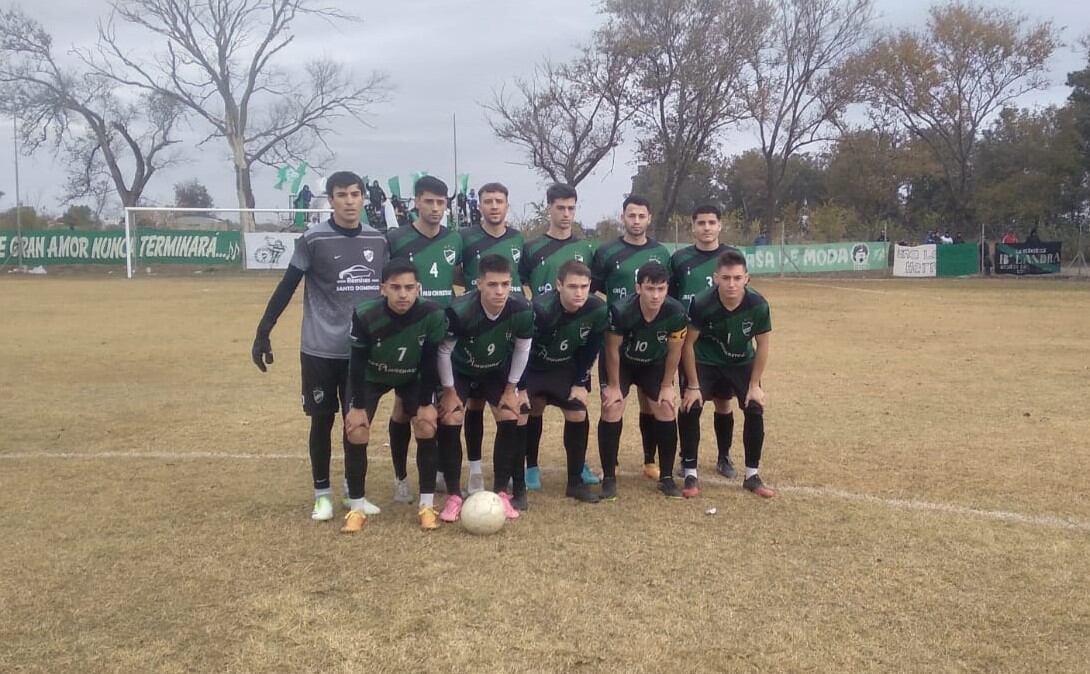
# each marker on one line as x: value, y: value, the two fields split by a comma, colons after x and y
x: 341, y: 270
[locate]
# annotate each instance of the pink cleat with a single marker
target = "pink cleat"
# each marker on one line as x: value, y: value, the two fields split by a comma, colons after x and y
x: 508, y: 509
x: 452, y: 509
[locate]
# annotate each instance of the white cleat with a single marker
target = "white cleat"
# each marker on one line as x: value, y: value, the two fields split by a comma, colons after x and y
x: 402, y: 493
x: 476, y: 483
x: 323, y: 509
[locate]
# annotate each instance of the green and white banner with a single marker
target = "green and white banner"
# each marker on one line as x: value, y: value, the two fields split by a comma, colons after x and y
x: 818, y: 257
x: 151, y: 246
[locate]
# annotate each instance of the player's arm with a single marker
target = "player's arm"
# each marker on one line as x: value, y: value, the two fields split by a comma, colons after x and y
x: 519, y: 358
x: 674, y: 344
x: 449, y: 401
x: 691, y: 396
x: 261, y: 352
x: 763, y: 342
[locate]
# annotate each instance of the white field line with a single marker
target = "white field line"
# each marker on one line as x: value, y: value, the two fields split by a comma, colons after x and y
x: 835, y: 287
x: 1041, y: 521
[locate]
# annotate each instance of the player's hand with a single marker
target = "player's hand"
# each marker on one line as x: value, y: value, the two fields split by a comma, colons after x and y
x: 611, y: 395
x: 692, y: 397
x: 354, y: 422
x: 449, y: 402
x: 668, y: 397
x: 261, y: 352
x: 755, y: 394
x: 509, y: 400
x: 578, y: 394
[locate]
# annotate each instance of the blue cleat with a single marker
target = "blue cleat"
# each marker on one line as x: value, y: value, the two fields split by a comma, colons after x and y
x: 588, y: 475
x: 533, y: 478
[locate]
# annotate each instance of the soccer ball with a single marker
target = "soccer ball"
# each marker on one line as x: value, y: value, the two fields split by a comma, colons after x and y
x: 483, y: 514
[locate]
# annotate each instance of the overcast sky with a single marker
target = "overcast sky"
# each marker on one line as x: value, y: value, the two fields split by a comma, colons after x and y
x: 443, y: 58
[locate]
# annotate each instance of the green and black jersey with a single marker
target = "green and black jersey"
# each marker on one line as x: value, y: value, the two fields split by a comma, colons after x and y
x: 393, y: 344
x: 726, y: 337
x: 560, y: 335
x: 645, y: 341
x: 477, y: 242
x: 616, y: 263
x: 693, y: 270
x: 485, y: 345
x: 542, y: 258
x: 435, y: 259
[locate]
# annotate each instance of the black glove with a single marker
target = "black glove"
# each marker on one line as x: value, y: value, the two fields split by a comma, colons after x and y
x: 262, y: 351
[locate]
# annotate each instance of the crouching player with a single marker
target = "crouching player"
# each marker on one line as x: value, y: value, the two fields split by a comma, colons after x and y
x: 720, y: 362
x: 643, y: 347
x: 568, y: 326
x: 395, y: 344
x: 483, y: 357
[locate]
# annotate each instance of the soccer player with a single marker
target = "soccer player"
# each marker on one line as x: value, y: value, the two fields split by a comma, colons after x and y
x: 615, y: 266
x: 726, y: 322
x: 569, y: 324
x: 643, y: 347
x: 540, y: 263
x: 484, y: 355
x: 437, y: 252
x: 395, y: 344
x: 341, y: 260
x: 491, y: 236
x: 693, y: 270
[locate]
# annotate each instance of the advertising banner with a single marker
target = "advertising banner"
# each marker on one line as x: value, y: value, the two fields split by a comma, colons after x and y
x: 187, y: 247
x: 817, y: 257
x: 915, y: 261
x: 1028, y: 258
x: 269, y: 250
x: 63, y: 247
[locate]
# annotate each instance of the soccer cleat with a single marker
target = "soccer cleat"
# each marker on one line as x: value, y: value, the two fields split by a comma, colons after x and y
x: 476, y: 483
x: 368, y: 507
x: 609, y: 489
x: 581, y: 492
x: 402, y: 493
x: 533, y: 478
x: 452, y: 509
x: 650, y: 471
x: 520, y: 502
x: 588, y: 475
x: 725, y: 468
x: 323, y: 509
x: 691, y: 488
x: 440, y: 484
x: 508, y: 509
x: 353, y: 522
x: 753, y: 483
x: 668, y: 488
x: 428, y: 518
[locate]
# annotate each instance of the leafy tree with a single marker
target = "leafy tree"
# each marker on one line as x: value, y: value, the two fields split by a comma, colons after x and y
x: 192, y: 194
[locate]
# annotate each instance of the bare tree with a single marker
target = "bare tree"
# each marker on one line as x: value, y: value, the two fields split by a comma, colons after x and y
x: 220, y: 62
x: 567, y: 117
x: 687, y: 59
x: 945, y: 82
x: 110, y: 145
x: 798, y: 86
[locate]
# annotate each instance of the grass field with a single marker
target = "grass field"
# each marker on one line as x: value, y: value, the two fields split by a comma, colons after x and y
x: 930, y: 441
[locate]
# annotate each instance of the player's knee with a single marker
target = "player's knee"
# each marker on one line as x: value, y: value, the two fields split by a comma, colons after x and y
x: 663, y: 412
x: 754, y: 408
x: 575, y: 416
x: 452, y: 418
x: 424, y: 424
x: 722, y: 406
x: 359, y: 435
x: 613, y: 413
x: 504, y: 414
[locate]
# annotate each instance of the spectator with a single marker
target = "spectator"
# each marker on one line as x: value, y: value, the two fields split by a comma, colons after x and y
x: 1033, y: 236
x: 376, y: 195
x: 958, y: 238
x: 945, y: 238
x: 1010, y: 237
x: 985, y: 257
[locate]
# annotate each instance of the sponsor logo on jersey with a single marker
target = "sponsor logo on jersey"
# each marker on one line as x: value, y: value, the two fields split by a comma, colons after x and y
x: 747, y: 327
x: 357, y: 273
x: 449, y: 255
x: 654, y: 258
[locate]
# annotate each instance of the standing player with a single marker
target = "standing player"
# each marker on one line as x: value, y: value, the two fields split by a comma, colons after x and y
x: 491, y: 236
x: 341, y: 260
x: 485, y: 353
x: 643, y: 347
x: 540, y: 264
x: 436, y: 252
x: 395, y: 343
x: 615, y: 266
x: 693, y: 271
x: 568, y: 326
x: 720, y: 362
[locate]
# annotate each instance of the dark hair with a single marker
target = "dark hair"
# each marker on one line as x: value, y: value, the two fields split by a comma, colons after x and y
x: 732, y: 258
x: 398, y: 266
x: 493, y: 187
x: 342, y: 179
x: 707, y: 208
x: 560, y: 191
x: 572, y: 267
x: 652, y: 272
x: 430, y: 184
x: 636, y: 200
x: 497, y: 264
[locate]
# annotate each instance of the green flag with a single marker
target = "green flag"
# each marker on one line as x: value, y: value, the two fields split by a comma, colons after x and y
x: 395, y: 186
x: 417, y: 176
x: 281, y: 177
x: 463, y: 183
x: 298, y: 181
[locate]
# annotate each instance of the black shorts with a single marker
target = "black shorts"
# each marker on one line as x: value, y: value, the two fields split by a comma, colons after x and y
x: 723, y: 382
x: 554, y: 386
x: 412, y: 396
x: 325, y: 384
x: 646, y: 376
x: 488, y: 387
